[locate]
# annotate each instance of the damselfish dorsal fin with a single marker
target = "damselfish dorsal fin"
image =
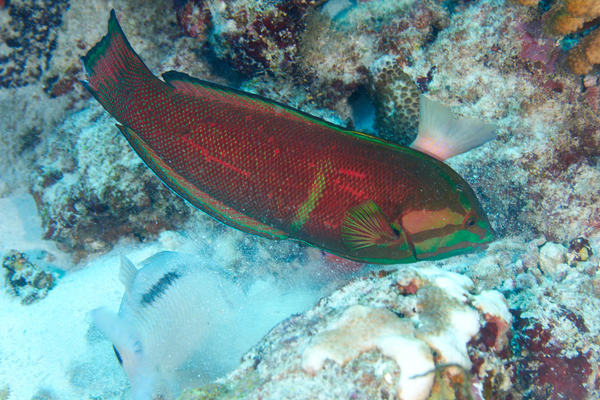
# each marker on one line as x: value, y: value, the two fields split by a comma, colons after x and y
x: 127, y: 272
x: 442, y: 134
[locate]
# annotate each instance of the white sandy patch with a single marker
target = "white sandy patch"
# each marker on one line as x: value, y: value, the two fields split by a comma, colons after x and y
x: 47, y: 348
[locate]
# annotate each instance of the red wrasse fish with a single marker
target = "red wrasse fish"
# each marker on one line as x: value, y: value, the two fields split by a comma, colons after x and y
x: 273, y: 171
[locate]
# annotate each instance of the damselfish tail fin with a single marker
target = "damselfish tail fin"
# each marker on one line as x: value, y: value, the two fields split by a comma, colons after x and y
x: 113, y: 69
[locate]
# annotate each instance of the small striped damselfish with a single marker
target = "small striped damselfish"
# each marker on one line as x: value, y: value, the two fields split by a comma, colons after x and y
x: 273, y: 171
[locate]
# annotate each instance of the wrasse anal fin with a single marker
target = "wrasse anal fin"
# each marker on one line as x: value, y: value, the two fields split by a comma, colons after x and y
x: 193, y: 195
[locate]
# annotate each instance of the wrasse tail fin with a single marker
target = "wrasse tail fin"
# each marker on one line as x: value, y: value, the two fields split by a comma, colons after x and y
x: 113, y: 69
x: 189, y: 192
x: 443, y: 135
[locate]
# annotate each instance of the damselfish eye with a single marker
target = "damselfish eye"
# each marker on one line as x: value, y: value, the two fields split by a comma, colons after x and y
x: 469, y: 220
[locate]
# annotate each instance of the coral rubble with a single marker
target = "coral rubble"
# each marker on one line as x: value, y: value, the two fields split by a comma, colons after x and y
x: 25, y: 279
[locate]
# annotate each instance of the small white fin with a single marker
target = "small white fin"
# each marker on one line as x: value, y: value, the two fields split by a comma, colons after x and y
x: 124, y: 338
x: 442, y: 134
x: 127, y: 272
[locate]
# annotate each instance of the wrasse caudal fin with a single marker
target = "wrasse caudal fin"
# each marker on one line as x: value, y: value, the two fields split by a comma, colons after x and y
x: 113, y: 68
x: 199, y: 199
x: 367, y: 232
x: 443, y: 135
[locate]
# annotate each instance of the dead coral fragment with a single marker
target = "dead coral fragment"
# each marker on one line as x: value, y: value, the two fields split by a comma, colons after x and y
x: 434, y: 331
x: 25, y: 279
x: 363, y: 328
x: 579, y: 250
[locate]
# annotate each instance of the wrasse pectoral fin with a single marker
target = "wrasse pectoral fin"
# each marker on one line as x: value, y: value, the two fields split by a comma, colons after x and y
x: 443, y: 135
x: 369, y: 235
x: 366, y: 225
x: 189, y: 192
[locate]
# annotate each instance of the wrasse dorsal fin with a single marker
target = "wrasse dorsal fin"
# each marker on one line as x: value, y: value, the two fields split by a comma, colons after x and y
x: 366, y: 225
x: 442, y: 134
x: 211, y: 91
x: 127, y: 272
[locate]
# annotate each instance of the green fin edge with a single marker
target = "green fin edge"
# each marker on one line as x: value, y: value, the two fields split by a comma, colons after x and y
x: 193, y: 195
x: 91, y: 58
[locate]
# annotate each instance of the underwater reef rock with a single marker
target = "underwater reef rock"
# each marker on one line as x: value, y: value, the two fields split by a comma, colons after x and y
x: 465, y: 320
x: 99, y: 191
x: 325, y: 47
x: 25, y: 279
x: 567, y: 17
x: 366, y: 339
x: 43, y: 40
x: 28, y: 33
x: 252, y: 37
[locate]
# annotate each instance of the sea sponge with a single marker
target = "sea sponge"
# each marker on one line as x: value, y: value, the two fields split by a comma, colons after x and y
x: 582, y: 57
x: 588, y: 9
x: 528, y: 3
x: 560, y: 22
x: 570, y: 16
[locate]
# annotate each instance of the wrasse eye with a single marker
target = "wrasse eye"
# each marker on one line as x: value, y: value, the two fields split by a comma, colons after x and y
x: 469, y: 220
